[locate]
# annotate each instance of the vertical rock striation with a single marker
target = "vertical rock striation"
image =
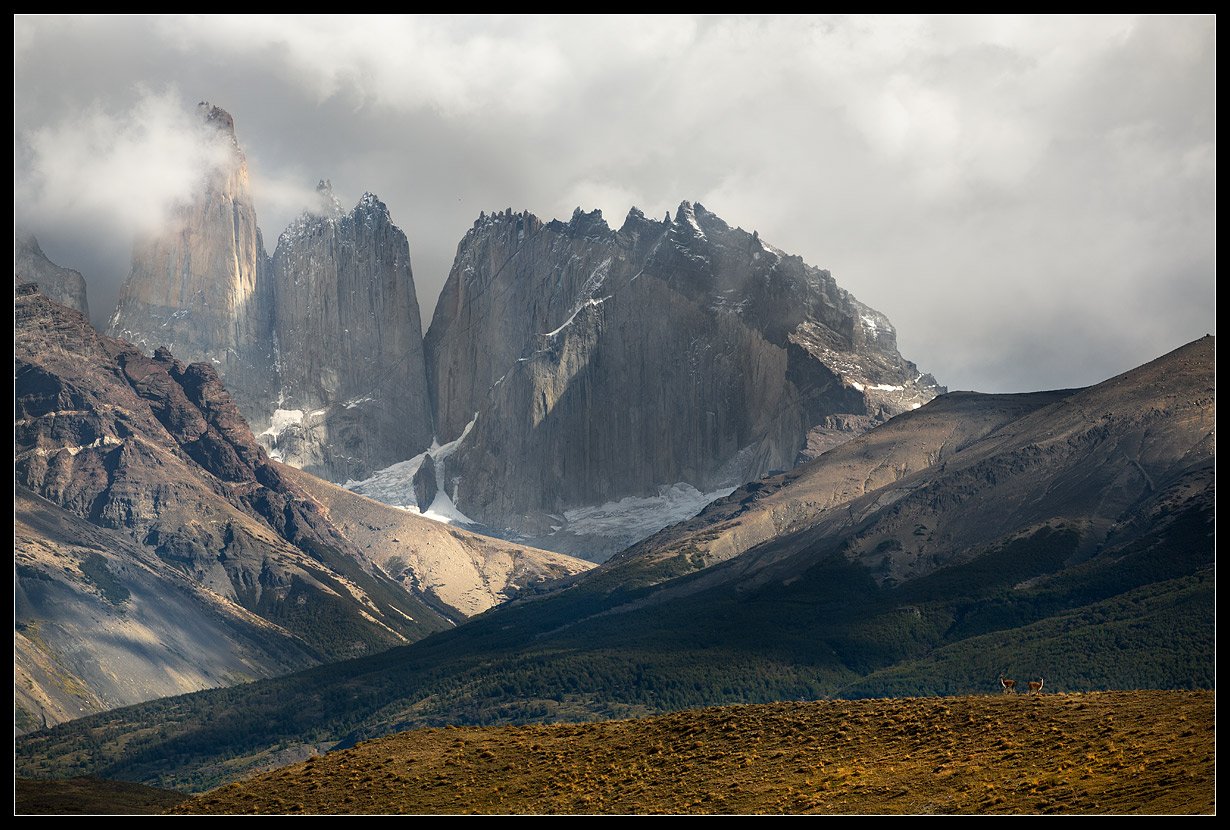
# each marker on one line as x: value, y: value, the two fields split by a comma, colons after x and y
x: 597, y: 364
x: 352, y: 390
x: 321, y: 345
x: 200, y: 288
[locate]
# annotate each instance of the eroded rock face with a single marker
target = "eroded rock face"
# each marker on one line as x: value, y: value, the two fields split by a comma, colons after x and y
x: 157, y: 543
x: 349, y: 344
x: 597, y: 364
x: 200, y: 288
x: 320, y: 345
x: 158, y: 450
x: 30, y: 264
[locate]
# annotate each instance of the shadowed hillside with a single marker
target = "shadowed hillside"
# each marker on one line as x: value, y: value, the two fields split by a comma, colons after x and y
x: 90, y: 795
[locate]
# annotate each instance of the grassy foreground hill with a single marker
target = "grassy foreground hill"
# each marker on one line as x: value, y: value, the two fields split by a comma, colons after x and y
x: 1104, y: 752
x: 89, y: 796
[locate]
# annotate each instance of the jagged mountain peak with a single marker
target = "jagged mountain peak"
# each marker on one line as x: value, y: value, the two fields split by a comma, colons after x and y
x: 324, y: 336
x: 328, y: 206
x: 221, y: 121
x: 351, y: 396
x: 370, y: 204
x: 217, y: 116
x: 328, y: 210
x: 199, y: 285
x: 712, y: 354
x: 31, y: 265
x: 588, y: 224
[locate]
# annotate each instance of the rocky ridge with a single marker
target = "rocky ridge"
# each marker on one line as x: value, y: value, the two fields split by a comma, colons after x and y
x: 30, y: 264
x: 591, y: 364
x: 154, y: 520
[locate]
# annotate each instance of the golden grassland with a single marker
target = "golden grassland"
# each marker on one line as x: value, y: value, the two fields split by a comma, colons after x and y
x: 1105, y: 752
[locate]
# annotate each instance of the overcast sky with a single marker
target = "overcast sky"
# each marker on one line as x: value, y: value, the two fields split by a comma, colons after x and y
x: 1030, y: 200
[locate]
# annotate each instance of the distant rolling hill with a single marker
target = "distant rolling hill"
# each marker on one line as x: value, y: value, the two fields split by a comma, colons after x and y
x: 1066, y: 534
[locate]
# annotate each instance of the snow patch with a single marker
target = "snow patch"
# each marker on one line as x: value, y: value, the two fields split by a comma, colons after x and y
x: 443, y: 510
x: 440, y: 451
x: 572, y: 316
x: 884, y: 387
x: 858, y: 386
x: 585, y: 296
x: 640, y: 517
x: 394, y: 485
x: 689, y: 216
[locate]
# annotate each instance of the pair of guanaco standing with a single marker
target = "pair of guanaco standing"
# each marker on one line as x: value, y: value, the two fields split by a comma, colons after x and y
x: 1010, y: 685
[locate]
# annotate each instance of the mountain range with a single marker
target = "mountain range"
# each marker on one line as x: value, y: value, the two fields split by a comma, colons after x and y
x: 623, y: 472
x: 1066, y: 534
x: 571, y: 372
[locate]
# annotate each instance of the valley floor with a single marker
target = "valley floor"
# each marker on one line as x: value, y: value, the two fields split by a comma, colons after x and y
x: 1106, y: 752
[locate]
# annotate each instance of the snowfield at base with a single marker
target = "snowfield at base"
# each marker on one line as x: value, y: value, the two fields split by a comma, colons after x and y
x: 629, y: 519
x: 394, y: 485
x: 443, y: 510
x: 640, y: 517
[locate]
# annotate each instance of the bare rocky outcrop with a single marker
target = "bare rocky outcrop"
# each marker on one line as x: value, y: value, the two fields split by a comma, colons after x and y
x: 158, y: 449
x: 597, y: 364
x: 30, y: 264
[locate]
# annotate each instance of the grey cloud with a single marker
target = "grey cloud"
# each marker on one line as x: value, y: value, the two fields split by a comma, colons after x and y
x: 1030, y: 200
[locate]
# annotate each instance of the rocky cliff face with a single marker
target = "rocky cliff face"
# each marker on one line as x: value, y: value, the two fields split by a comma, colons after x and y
x: 321, y: 346
x: 63, y: 285
x: 200, y: 288
x: 349, y: 348
x: 597, y: 364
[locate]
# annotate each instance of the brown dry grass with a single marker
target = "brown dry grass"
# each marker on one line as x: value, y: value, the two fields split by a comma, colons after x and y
x: 1112, y: 752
